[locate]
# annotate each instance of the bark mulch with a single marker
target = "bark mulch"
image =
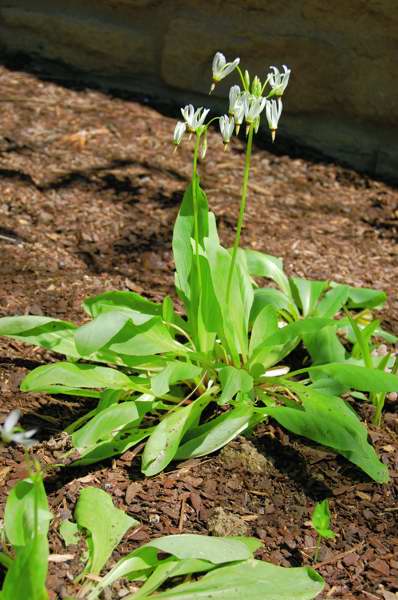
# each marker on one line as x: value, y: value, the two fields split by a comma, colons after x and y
x: 89, y: 190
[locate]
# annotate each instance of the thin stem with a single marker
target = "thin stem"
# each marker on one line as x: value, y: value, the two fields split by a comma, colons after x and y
x: 242, y: 78
x: 195, y: 204
x: 318, y: 548
x: 241, y: 209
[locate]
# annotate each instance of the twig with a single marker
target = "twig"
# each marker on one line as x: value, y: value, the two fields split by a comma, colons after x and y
x: 338, y: 556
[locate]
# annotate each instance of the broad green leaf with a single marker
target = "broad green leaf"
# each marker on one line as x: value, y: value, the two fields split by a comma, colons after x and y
x: 365, y: 298
x: 52, y: 334
x: 20, y: 517
x: 320, y: 519
x: 162, y: 446
x: 264, y: 265
x: 332, y: 302
x: 307, y: 293
x: 324, y: 346
x: 264, y: 297
x: 115, y: 300
x: 106, y: 425
x: 236, y: 313
x: 233, y: 381
x: 329, y: 421
x: 71, y: 375
x: 105, y: 524
x: 184, y: 232
x: 121, y: 442
x: 216, y: 433
x: 202, y: 547
x: 26, y: 576
x: 152, y: 337
x: 174, y: 372
x: 252, y: 579
x: 359, y: 378
x: 265, y: 325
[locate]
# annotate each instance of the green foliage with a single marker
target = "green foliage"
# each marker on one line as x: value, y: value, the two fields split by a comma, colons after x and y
x: 26, y: 522
x: 321, y: 519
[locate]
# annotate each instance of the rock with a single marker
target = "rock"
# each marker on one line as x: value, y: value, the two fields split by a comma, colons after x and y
x: 242, y: 455
x: 221, y: 523
x: 342, y: 96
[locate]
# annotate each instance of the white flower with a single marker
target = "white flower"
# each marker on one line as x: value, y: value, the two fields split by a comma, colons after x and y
x: 273, y: 111
x: 254, y: 108
x: 227, y: 125
x: 179, y: 131
x: 9, y: 432
x: 278, y: 81
x: 194, y: 118
x: 221, y: 68
x: 234, y: 97
x: 203, y: 148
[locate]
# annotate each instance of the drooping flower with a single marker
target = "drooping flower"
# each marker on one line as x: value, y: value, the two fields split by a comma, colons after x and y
x: 234, y: 96
x: 273, y: 111
x: 221, y: 68
x: 254, y: 108
x: 179, y: 131
x: 194, y: 118
x: 278, y: 81
x: 10, y: 432
x: 227, y: 125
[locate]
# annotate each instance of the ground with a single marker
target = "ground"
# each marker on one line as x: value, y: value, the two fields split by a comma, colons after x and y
x: 89, y: 190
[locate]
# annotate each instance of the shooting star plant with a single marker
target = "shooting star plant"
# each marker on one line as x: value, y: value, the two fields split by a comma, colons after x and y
x: 221, y: 68
x: 278, y: 80
x: 273, y: 111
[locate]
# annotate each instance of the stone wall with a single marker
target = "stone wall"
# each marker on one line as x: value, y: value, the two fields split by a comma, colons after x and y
x: 343, y: 96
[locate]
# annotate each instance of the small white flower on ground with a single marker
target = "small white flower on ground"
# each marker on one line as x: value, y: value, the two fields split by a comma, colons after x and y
x: 254, y: 108
x: 227, y: 125
x: 278, y: 81
x: 221, y: 68
x: 273, y: 111
x: 9, y: 432
x: 179, y: 131
x: 194, y: 118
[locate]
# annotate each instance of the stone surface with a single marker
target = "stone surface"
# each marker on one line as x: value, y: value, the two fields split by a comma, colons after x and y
x: 342, y: 99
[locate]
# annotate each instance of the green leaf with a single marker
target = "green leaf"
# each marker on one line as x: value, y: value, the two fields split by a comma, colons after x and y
x: 332, y: 302
x: 233, y: 381
x: 265, y: 325
x: 324, y: 346
x: 329, y: 421
x: 184, y: 231
x: 162, y: 446
x: 202, y: 547
x: 20, y: 516
x: 365, y: 298
x: 115, y: 300
x: 264, y: 265
x: 252, y: 579
x: 174, y: 372
x: 69, y: 532
x: 215, y: 434
x: 26, y: 577
x: 359, y: 378
x: 106, y: 425
x: 120, y: 443
x: 320, y: 519
x: 52, y: 334
x: 307, y: 293
x: 105, y: 524
x: 264, y: 297
x: 50, y: 377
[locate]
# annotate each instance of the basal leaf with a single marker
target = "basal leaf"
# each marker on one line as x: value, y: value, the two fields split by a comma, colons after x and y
x: 233, y: 381
x: 52, y: 376
x: 105, y: 524
x: 52, y: 334
x: 174, y: 372
x: 252, y: 579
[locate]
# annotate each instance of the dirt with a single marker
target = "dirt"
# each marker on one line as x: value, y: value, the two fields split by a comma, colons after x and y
x: 89, y: 190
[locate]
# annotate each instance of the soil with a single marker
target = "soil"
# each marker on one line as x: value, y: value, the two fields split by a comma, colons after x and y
x: 89, y: 190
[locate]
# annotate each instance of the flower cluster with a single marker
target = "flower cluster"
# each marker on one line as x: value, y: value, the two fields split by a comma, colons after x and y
x: 246, y: 105
x: 11, y: 432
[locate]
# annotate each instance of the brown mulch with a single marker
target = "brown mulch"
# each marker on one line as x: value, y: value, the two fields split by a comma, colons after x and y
x: 89, y: 190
